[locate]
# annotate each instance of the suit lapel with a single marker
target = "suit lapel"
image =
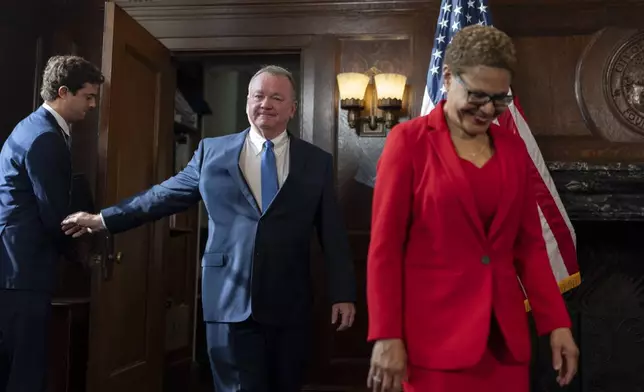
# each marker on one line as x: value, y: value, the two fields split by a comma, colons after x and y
x: 453, y: 168
x: 297, y: 169
x: 505, y: 159
x: 52, y: 120
x: 231, y: 159
x: 297, y: 159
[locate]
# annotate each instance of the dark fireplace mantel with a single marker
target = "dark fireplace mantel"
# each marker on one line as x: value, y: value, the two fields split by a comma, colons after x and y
x: 605, y: 204
x: 600, y: 192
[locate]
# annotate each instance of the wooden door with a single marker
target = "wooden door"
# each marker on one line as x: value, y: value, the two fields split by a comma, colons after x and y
x: 136, y: 114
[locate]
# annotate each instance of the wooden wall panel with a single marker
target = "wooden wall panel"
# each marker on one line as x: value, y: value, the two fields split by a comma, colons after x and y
x: 545, y: 83
x: 357, y: 156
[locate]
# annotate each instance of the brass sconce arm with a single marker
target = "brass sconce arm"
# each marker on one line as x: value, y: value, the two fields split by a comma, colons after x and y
x: 389, y: 106
x: 371, y: 125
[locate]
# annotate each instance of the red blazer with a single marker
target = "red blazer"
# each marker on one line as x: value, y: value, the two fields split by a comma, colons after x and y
x: 433, y: 275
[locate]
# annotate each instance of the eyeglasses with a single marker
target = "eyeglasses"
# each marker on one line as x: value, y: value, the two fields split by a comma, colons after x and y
x: 479, y: 98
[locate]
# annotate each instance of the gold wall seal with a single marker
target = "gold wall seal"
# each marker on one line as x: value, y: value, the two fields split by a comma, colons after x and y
x: 609, y: 84
x: 625, y: 76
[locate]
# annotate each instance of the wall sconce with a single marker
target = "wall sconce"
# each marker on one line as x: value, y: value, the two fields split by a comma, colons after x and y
x: 388, y: 94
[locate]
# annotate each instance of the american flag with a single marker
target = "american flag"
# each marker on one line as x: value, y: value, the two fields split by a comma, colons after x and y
x: 453, y: 16
x: 558, y: 233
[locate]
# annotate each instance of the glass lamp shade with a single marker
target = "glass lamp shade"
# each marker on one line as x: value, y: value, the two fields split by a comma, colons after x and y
x: 352, y: 85
x: 390, y: 85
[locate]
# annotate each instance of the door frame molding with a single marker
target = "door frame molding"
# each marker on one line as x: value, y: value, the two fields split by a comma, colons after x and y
x: 319, y: 63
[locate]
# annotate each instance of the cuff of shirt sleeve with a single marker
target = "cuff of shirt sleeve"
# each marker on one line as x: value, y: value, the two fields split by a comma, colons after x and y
x: 103, y: 221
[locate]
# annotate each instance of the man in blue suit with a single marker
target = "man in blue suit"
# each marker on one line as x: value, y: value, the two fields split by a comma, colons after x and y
x: 265, y: 192
x: 35, y: 187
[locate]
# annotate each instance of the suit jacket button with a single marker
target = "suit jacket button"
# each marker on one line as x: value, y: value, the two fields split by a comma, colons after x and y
x: 485, y: 259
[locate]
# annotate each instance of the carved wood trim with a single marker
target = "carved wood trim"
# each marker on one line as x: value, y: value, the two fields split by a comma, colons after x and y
x: 200, y: 8
x: 280, y: 25
x: 271, y: 43
x: 544, y: 17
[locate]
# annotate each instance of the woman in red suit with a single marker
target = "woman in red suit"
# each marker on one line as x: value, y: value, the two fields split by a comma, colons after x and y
x: 454, y: 223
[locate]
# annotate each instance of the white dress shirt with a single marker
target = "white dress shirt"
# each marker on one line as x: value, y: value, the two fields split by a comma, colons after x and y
x: 250, y: 160
x: 59, y: 119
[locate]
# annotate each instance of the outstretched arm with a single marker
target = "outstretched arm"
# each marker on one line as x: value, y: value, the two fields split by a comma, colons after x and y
x: 171, y: 196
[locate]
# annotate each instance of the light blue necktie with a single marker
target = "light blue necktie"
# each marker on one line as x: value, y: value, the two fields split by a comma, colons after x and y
x: 270, y: 185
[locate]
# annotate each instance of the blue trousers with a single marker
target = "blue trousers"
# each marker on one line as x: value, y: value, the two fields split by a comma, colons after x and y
x: 252, y: 357
x: 24, y: 329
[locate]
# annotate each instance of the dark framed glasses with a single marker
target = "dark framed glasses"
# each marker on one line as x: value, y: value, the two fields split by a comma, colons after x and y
x: 480, y: 98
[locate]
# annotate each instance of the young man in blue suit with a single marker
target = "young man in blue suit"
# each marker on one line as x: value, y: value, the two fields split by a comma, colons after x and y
x: 35, y: 187
x: 265, y: 192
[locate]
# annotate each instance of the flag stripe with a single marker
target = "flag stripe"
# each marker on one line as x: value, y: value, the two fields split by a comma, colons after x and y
x: 555, y: 222
x: 428, y: 104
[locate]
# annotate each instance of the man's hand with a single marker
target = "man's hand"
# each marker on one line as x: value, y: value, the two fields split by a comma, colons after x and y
x: 80, y: 223
x: 388, y: 366
x: 347, y: 311
x: 565, y: 355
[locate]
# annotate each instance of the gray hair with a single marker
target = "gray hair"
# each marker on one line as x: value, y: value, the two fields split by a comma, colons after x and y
x: 276, y: 70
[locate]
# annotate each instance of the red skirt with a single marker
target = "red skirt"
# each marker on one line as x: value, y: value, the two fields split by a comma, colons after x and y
x: 496, y: 372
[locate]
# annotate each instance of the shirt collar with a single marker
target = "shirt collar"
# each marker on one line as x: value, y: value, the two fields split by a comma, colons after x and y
x: 59, y: 119
x: 257, y: 140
